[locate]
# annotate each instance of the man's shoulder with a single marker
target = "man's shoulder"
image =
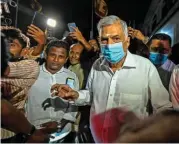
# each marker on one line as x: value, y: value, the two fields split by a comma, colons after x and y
x: 141, y: 60
x: 98, y: 62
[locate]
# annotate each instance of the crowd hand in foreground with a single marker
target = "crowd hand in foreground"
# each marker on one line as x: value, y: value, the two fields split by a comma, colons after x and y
x: 42, y: 135
x: 157, y: 128
x: 64, y: 91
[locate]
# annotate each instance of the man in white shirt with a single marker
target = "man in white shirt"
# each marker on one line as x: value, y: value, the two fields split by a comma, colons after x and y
x: 41, y: 107
x: 119, y: 78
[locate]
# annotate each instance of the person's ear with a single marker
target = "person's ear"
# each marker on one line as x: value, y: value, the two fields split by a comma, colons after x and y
x: 128, y: 41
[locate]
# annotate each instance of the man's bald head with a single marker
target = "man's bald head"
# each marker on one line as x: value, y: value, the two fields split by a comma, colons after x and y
x: 75, y: 53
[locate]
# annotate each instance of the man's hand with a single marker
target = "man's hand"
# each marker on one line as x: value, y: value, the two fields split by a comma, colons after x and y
x: 37, y: 34
x: 38, y: 137
x: 42, y: 135
x: 136, y: 34
x: 77, y: 35
x: 94, y: 44
x: 64, y: 91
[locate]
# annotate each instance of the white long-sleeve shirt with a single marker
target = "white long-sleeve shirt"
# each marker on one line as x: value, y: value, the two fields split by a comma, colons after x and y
x: 131, y: 86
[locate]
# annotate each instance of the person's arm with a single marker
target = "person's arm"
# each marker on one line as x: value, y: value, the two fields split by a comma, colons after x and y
x: 85, y: 96
x: 23, y: 69
x: 13, y: 120
x: 82, y: 97
x: 39, y: 36
x: 78, y: 36
x: 134, y: 33
x: 174, y: 87
x: 158, y: 94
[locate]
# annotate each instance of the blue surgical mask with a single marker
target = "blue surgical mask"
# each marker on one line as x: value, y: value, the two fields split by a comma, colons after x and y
x: 113, y: 52
x: 157, y: 58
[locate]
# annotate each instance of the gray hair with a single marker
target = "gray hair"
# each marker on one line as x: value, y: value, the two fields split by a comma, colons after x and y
x: 109, y: 20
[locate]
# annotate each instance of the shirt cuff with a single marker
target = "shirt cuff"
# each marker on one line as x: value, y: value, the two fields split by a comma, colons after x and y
x: 81, y: 99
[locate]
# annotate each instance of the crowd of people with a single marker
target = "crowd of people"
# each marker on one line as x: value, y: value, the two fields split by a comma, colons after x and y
x: 120, y: 87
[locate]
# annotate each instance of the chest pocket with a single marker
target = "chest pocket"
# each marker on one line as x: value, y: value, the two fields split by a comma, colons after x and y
x: 132, y: 102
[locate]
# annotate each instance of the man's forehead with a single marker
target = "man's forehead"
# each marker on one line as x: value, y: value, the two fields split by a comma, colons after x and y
x: 57, y: 50
x: 111, y: 30
x: 77, y: 47
x: 16, y: 41
x: 159, y: 43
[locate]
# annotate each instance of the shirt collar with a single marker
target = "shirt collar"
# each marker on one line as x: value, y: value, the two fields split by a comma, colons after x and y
x: 129, y: 61
x: 45, y: 70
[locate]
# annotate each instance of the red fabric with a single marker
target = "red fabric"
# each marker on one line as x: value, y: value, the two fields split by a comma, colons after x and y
x: 106, y: 126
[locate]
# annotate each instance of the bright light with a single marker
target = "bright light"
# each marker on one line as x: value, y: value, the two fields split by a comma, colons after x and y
x: 51, y: 22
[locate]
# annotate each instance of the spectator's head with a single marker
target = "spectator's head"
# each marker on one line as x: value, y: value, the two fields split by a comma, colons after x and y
x: 114, y: 38
x: 175, y: 54
x: 75, y: 53
x: 160, y: 48
x: 4, y: 54
x: 139, y: 48
x: 56, y: 55
x: 94, y: 45
x: 16, y: 39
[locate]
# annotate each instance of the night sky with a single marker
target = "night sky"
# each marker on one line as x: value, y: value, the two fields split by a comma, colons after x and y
x: 79, y: 11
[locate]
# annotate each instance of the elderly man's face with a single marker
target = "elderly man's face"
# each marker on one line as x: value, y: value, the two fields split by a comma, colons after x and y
x: 75, y: 54
x: 114, y: 33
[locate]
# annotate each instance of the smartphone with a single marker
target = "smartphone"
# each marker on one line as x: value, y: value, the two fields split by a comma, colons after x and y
x: 70, y: 82
x: 70, y: 25
x: 39, y: 20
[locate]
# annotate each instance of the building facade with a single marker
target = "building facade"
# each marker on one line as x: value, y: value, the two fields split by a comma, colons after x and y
x: 163, y: 17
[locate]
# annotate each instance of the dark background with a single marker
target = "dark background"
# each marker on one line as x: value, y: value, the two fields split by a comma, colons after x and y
x: 79, y: 11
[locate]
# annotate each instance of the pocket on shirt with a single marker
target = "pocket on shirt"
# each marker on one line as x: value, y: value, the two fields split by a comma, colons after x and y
x: 131, y: 101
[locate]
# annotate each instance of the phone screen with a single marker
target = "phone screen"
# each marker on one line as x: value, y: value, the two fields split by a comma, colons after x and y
x: 40, y: 20
x: 70, y: 82
x: 70, y: 25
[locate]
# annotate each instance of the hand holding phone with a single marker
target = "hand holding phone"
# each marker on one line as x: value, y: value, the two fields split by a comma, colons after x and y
x: 40, y: 21
x: 71, y: 26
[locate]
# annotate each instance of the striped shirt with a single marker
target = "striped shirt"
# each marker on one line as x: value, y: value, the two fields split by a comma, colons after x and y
x: 174, y: 87
x: 15, y: 87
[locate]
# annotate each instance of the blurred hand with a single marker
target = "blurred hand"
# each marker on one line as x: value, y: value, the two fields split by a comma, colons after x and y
x: 49, y: 127
x: 77, y: 35
x: 42, y: 135
x: 64, y: 91
x: 25, y: 52
x: 136, y: 34
x: 37, y: 34
x: 38, y: 137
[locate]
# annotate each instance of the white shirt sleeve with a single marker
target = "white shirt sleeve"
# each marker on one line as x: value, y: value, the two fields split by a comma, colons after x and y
x: 85, y: 96
x: 157, y: 92
x: 174, y: 87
